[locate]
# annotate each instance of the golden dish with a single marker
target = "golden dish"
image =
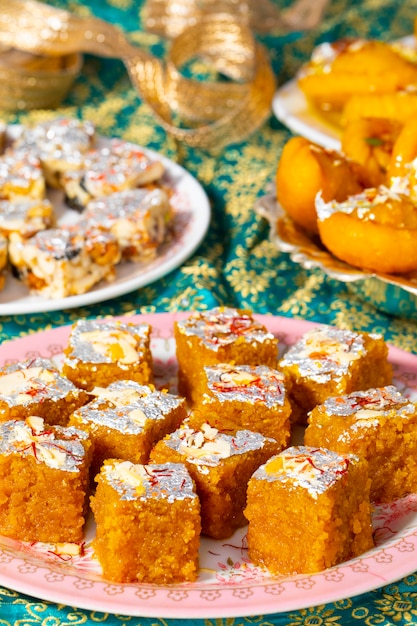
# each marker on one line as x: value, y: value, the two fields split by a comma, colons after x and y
x: 396, y: 295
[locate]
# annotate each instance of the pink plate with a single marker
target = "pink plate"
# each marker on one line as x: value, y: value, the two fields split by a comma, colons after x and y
x: 228, y: 585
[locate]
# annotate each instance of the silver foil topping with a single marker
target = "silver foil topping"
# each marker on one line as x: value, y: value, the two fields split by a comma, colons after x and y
x: 324, y: 353
x: 85, y: 350
x: 56, y: 446
x: 19, y: 170
x: 127, y: 407
x: 34, y: 380
x: 133, y: 203
x: 126, y: 392
x: 208, y: 447
x: 68, y: 242
x: 111, y: 168
x: 167, y: 481
x: 313, y: 469
x: 371, y: 403
x: 17, y: 213
x: 222, y: 326
x: 245, y: 383
x: 60, y: 138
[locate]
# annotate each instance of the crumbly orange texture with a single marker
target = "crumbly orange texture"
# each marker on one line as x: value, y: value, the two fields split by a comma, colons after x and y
x: 44, y: 481
x: 98, y: 353
x: 379, y: 425
x: 221, y: 335
x: 126, y: 420
x: 247, y: 397
x: 328, y: 361
x: 145, y: 536
x: 35, y: 387
x: 305, y: 517
x: 220, y: 466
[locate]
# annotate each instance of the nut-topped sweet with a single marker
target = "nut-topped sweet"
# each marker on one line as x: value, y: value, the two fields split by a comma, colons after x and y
x: 328, y: 361
x: 308, y: 509
x: 118, y: 166
x: 63, y: 262
x: 43, y: 481
x: 248, y: 397
x: 221, y: 465
x: 26, y: 216
x: 36, y: 387
x: 220, y: 335
x: 21, y: 176
x: 101, y: 352
x: 126, y: 419
x: 59, y: 144
x: 148, y: 523
x: 138, y: 218
x: 379, y: 425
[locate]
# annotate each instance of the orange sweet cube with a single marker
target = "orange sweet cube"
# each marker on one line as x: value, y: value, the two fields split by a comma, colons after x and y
x: 328, y: 361
x: 100, y: 352
x: 148, y: 523
x: 308, y: 509
x: 220, y: 465
x: 36, y: 387
x: 126, y: 419
x: 221, y: 335
x: 44, y: 481
x: 379, y: 425
x: 238, y: 397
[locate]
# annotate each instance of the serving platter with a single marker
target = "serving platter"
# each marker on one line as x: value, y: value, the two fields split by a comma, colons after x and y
x: 393, y: 294
x: 229, y: 585
x: 192, y: 212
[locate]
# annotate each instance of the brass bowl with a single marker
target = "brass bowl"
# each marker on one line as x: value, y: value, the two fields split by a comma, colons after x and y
x: 35, y: 81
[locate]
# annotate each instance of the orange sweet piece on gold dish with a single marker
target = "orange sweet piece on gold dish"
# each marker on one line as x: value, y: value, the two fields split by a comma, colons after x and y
x: 379, y: 229
x: 305, y: 169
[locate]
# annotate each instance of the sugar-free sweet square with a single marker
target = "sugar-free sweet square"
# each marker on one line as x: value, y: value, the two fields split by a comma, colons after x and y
x: 44, y: 481
x: 126, y: 419
x: 148, y: 523
x: 36, y: 387
x: 221, y: 335
x: 99, y: 353
x: 328, y: 361
x: 377, y: 424
x: 238, y: 397
x: 221, y: 465
x: 308, y: 509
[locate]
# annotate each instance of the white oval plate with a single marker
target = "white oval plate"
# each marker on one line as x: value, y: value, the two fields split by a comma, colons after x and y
x: 228, y: 585
x: 191, y: 220
x: 291, y: 108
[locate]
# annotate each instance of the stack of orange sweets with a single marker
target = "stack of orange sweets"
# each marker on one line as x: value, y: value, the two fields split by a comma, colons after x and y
x: 361, y: 200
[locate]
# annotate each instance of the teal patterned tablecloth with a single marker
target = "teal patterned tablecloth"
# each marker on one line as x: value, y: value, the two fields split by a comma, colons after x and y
x: 236, y: 264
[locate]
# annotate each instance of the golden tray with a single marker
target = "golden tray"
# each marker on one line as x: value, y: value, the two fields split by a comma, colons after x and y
x: 392, y: 294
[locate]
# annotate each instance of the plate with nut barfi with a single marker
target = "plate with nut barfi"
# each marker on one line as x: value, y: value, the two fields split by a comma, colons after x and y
x: 84, y: 218
x: 227, y: 582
